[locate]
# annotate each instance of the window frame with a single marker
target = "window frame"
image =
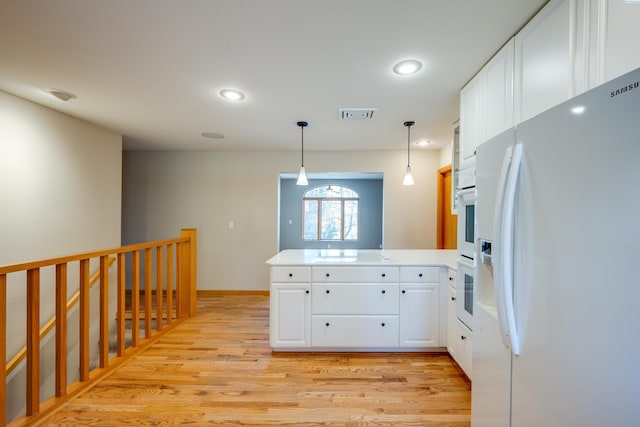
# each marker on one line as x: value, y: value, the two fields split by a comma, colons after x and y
x: 319, y: 201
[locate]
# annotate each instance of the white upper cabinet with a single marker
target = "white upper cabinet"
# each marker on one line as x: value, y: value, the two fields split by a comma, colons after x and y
x: 471, y: 119
x: 618, y: 38
x: 570, y: 46
x: 499, y: 92
x: 486, y: 104
x: 545, y: 51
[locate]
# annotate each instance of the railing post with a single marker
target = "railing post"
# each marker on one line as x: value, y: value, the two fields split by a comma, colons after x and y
x: 188, y: 277
x: 61, y: 329
x: 84, y: 320
x: 33, y: 341
x: 121, y: 303
x: 104, y: 311
x: 3, y: 347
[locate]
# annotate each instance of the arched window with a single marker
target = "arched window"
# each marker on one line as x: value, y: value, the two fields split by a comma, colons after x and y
x: 330, y: 212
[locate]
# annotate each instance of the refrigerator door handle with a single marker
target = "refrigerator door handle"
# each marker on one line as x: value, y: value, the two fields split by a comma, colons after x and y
x: 507, y: 247
x: 499, y: 259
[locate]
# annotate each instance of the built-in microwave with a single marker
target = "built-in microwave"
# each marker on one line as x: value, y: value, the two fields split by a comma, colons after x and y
x: 467, y: 222
x: 465, y: 290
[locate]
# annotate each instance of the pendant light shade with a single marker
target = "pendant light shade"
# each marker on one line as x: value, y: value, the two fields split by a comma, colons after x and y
x: 408, y: 178
x: 302, y: 176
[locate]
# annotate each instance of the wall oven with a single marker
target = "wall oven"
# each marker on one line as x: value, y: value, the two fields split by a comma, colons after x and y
x: 465, y: 290
x: 467, y: 222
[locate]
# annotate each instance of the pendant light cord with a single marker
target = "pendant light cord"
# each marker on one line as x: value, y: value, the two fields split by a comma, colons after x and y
x: 408, y: 145
x: 408, y: 125
x: 302, y: 138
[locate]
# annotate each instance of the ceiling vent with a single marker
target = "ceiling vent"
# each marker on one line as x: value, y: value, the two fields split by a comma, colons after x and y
x: 356, y: 113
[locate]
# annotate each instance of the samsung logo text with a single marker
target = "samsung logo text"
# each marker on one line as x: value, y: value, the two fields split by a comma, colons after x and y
x: 624, y: 89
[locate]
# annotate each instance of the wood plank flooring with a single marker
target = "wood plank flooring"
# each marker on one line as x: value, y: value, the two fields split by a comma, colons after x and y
x: 218, y: 369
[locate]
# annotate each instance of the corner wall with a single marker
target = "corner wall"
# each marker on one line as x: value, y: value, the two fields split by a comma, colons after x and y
x: 60, y: 191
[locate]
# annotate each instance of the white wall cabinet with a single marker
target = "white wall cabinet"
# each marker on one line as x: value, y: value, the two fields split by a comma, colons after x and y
x: 615, y: 32
x: 570, y: 46
x: 486, y: 103
x: 471, y: 117
x: 545, y: 51
x: 498, y: 80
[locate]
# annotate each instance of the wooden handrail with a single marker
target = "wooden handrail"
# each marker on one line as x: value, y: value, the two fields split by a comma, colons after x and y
x: 179, y: 267
x: 20, y: 355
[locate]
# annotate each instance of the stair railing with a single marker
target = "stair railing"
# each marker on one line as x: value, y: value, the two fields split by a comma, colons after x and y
x: 179, y: 253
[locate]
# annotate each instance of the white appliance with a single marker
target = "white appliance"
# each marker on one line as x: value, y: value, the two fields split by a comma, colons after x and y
x: 467, y: 222
x: 557, y: 311
x: 465, y: 291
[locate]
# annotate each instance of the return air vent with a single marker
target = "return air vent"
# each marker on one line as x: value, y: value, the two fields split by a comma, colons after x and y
x: 356, y: 113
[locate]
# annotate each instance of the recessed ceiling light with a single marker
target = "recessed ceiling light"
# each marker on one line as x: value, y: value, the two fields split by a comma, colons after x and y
x: 62, y: 95
x: 212, y: 135
x: 423, y: 143
x: 408, y: 66
x: 232, y: 94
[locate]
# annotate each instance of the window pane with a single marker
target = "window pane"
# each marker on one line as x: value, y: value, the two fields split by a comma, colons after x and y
x: 310, y: 220
x: 331, y: 224
x: 351, y: 220
x: 330, y: 191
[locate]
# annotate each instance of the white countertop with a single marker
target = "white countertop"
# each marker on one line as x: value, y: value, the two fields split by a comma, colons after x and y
x: 328, y: 257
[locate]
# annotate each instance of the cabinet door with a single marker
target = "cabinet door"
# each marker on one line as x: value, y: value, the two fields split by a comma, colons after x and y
x: 620, y: 37
x: 545, y: 50
x: 465, y: 349
x: 419, y: 315
x: 452, y: 327
x: 471, y: 118
x: 499, y: 92
x: 290, y: 315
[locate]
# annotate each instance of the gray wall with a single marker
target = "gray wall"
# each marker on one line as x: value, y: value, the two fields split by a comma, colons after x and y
x: 370, y: 214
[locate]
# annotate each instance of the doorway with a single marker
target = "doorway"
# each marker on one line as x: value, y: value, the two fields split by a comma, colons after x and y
x: 447, y: 222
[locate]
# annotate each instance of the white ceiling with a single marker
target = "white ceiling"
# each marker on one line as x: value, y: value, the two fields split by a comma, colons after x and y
x: 152, y: 69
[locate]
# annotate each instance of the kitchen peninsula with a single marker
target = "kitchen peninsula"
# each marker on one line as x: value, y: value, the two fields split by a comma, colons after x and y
x: 360, y: 300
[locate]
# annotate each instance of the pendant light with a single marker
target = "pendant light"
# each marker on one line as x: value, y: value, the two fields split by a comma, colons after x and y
x: 302, y: 176
x: 408, y: 178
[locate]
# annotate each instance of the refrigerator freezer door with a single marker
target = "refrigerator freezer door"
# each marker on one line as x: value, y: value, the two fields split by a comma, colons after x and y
x: 577, y: 285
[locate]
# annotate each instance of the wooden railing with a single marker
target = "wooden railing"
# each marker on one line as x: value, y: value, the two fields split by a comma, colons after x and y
x: 48, y: 327
x: 178, y: 253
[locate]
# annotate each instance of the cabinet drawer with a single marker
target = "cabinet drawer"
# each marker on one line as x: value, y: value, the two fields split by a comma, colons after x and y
x: 452, y: 278
x: 354, y: 331
x: 355, y: 274
x: 420, y: 274
x: 354, y: 298
x: 290, y: 274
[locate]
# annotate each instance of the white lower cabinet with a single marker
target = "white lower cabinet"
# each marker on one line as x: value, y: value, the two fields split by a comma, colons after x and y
x: 290, y: 301
x: 419, y: 315
x: 459, y: 337
x: 452, y: 319
x: 464, y: 345
x: 290, y: 315
x: 352, y: 308
x: 354, y: 331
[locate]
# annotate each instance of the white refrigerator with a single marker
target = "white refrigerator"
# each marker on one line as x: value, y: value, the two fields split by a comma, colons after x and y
x: 557, y: 316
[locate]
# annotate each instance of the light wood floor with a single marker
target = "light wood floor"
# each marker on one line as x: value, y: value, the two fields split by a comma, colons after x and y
x: 218, y: 369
